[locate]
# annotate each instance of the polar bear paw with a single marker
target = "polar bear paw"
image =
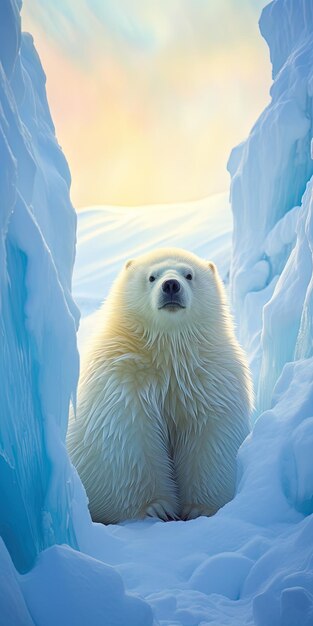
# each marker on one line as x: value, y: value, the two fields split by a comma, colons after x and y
x: 193, y: 510
x: 161, y: 509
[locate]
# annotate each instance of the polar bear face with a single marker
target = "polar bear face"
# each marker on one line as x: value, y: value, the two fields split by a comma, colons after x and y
x: 170, y: 288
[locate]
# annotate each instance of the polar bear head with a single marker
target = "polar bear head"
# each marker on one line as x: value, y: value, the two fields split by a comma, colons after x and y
x: 169, y: 289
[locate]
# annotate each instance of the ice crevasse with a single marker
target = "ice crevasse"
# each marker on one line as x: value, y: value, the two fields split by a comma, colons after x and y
x: 252, y: 563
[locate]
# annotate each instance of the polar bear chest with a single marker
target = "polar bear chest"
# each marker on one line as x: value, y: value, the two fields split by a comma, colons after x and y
x: 186, y: 400
x: 177, y: 389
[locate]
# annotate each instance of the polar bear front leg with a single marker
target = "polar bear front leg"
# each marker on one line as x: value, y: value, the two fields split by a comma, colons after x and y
x: 205, y: 464
x: 122, y: 459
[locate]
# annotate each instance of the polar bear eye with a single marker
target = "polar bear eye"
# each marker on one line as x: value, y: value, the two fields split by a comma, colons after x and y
x: 189, y: 276
x: 151, y: 279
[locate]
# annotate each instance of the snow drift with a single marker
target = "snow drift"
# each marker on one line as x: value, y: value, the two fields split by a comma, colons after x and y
x: 252, y: 563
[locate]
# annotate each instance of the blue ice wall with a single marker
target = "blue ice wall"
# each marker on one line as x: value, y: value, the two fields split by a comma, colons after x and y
x: 38, y: 354
x: 272, y: 245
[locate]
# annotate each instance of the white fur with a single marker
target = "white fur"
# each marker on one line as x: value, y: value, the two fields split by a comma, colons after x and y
x: 164, y: 396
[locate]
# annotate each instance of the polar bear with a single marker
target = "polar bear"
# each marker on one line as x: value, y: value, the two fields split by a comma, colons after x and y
x: 164, y: 395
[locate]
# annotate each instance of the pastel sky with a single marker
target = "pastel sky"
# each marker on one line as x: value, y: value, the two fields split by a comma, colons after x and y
x: 149, y: 96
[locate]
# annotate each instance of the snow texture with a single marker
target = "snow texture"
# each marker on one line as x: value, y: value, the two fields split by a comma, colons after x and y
x: 251, y: 563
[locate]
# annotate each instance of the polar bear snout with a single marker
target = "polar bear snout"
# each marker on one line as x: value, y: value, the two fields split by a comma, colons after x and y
x: 171, y: 286
x: 171, y: 295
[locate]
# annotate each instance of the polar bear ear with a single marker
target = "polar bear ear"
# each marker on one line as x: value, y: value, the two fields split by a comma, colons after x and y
x: 212, y: 267
x: 128, y: 264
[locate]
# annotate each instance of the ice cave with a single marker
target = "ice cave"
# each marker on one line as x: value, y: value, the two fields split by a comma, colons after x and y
x: 251, y: 563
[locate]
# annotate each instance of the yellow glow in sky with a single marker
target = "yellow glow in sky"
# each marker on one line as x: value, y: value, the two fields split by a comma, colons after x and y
x: 149, y: 98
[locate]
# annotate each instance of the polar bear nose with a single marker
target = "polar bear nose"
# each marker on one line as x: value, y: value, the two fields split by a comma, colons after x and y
x: 171, y: 286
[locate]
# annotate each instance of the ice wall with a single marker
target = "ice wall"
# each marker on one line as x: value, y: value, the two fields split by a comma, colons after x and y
x: 38, y: 354
x: 272, y: 293
x: 272, y: 244
x: 42, y: 500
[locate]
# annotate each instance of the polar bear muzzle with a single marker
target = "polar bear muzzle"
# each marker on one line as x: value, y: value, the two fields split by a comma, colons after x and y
x: 171, y: 296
